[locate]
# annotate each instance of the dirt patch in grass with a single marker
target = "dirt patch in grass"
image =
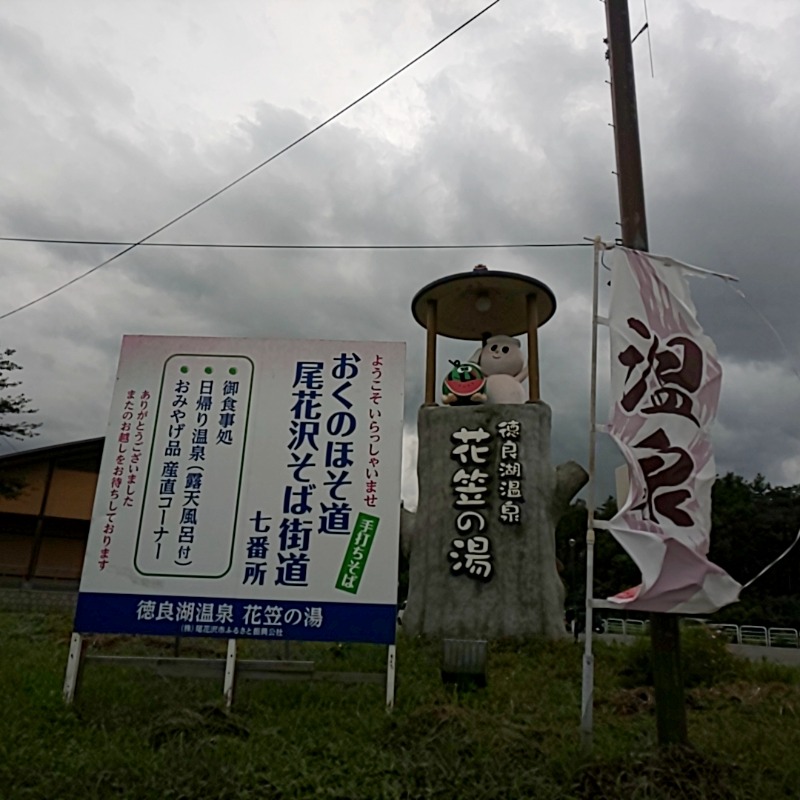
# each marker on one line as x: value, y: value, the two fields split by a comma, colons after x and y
x: 745, y: 694
x: 626, y: 702
x: 207, y: 722
x: 677, y: 772
x: 641, y: 700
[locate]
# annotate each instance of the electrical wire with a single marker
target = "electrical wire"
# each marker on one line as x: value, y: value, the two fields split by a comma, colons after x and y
x: 757, y: 311
x: 241, y: 246
x: 247, y: 174
x: 649, y: 41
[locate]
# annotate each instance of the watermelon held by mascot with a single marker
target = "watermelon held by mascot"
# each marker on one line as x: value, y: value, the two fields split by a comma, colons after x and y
x: 464, y: 384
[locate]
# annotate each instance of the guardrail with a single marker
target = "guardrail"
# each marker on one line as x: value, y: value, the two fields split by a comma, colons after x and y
x: 753, y: 634
x: 756, y: 635
x: 728, y: 631
x: 782, y: 637
x: 631, y: 627
x: 37, y: 600
x: 614, y: 625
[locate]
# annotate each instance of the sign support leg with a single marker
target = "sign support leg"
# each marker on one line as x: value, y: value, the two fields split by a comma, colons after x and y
x: 73, y: 668
x: 391, y: 671
x: 230, y: 673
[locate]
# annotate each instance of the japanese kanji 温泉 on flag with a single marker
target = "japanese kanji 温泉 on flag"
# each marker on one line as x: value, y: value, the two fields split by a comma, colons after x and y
x: 665, y: 384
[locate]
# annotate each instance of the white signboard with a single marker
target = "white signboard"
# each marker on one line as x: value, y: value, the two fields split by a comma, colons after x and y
x: 250, y: 489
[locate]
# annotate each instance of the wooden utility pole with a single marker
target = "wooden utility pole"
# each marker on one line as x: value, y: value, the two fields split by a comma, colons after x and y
x: 664, y: 628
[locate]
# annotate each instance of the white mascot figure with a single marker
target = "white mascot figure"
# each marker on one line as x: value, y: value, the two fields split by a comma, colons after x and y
x: 504, y: 366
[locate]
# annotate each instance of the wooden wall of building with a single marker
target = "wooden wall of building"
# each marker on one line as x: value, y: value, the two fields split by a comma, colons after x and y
x: 45, y: 539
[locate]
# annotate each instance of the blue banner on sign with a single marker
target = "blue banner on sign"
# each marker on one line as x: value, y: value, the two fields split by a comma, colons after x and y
x: 160, y: 615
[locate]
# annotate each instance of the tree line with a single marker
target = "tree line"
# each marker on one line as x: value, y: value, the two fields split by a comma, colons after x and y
x: 752, y: 523
x: 14, y: 411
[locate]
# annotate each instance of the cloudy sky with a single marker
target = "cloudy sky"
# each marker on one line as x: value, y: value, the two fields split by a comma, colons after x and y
x: 116, y: 117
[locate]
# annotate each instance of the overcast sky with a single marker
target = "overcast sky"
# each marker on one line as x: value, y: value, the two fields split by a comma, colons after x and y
x: 115, y: 117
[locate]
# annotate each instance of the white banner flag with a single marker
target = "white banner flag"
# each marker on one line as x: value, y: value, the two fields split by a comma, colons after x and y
x: 665, y: 383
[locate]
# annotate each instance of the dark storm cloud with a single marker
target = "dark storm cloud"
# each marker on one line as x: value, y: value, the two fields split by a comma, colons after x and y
x: 511, y: 144
x: 724, y: 174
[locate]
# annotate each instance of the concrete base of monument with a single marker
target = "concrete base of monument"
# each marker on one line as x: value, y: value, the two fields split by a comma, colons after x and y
x: 482, y: 542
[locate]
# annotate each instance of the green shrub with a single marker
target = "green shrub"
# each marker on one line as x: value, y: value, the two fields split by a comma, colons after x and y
x: 705, y: 660
x: 762, y: 672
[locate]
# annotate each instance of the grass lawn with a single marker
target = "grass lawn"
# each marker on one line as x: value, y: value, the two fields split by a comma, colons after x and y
x: 133, y: 734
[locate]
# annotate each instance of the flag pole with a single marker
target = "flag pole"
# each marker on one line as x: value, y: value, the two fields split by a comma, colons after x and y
x: 587, y: 680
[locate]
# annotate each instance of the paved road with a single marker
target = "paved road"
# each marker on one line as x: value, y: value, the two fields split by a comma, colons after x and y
x: 777, y: 655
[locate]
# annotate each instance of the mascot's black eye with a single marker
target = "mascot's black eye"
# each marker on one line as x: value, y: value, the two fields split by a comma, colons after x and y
x: 505, y: 349
x: 494, y: 348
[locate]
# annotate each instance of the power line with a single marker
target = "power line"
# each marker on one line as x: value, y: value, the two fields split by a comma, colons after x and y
x: 242, y: 246
x: 247, y: 174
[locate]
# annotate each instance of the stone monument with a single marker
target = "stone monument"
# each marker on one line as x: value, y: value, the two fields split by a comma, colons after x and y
x: 482, y: 541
